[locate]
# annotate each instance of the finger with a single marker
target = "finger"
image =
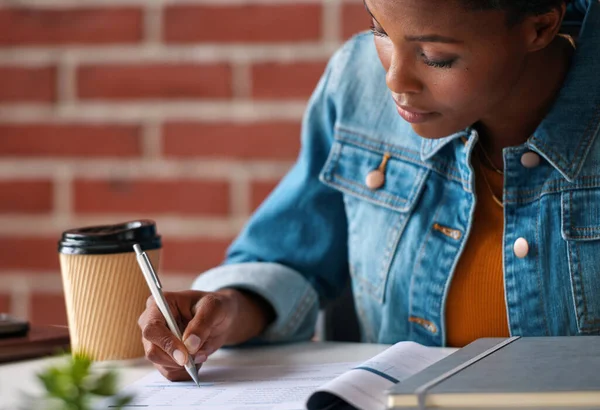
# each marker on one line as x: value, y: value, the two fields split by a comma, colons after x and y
x: 174, y: 374
x: 211, y: 345
x: 210, y: 313
x: 157, y: 356
x: 149, y: 301
x: 154, y: 330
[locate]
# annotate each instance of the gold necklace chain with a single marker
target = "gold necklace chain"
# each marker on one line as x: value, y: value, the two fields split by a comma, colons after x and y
x: 485, y: 178
x: 494, y: 197
x: 489, y: 160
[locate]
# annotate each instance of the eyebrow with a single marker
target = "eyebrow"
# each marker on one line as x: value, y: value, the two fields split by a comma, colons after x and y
x: 428, y: 38
x: 432, y: 38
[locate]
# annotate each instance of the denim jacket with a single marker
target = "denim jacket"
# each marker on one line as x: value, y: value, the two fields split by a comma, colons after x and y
x: 322, y: 225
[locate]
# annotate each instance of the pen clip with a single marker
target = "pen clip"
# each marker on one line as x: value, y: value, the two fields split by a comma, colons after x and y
x: 146, y: 266
x: 152, y: 273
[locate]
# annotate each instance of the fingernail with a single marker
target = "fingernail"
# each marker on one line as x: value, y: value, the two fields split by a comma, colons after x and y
x: 179, y: 357
x: 201, y: 358
x: 192, y: 343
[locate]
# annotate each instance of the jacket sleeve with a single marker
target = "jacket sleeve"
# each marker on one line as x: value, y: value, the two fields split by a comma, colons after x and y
x: 293, y: 251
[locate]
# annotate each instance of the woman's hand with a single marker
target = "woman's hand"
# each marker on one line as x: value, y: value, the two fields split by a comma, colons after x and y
x: 207, y: 321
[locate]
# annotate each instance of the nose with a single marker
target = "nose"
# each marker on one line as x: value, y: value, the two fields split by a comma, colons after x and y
x: 401, y: 77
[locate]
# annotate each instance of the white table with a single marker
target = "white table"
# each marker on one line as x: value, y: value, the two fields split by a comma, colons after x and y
x: 16, y: 378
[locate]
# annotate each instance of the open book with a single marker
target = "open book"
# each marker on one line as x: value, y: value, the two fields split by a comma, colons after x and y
x: 288, y: 387
x: 364, y: 386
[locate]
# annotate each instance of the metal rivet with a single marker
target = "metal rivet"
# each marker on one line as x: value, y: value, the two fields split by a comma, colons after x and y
x: 530, y: 160
x: 375, y: 179
x: 521, y: 248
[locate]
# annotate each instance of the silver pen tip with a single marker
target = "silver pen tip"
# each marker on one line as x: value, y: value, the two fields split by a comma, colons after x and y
x: 138, y: 249
x: 193, y: 372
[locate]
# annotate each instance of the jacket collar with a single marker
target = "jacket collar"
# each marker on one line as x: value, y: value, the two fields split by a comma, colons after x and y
x: 565, y: 136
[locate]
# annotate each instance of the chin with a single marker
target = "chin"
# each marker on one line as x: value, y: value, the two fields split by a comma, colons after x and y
x: 431, y: 132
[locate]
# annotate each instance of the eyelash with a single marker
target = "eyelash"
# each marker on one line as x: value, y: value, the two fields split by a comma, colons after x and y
x: 377, y: 32
x: 435, y: 64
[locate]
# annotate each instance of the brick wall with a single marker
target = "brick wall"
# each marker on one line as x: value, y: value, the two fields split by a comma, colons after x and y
x: 183, y: 111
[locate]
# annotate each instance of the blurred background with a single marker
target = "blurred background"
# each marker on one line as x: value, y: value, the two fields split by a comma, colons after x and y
x: 183, y: 111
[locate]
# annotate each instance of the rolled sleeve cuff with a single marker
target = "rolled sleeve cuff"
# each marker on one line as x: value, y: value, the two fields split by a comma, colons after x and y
x: 292, y: 297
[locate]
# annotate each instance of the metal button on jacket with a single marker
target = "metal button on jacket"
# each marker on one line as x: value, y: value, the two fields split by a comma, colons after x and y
x: 521, y: 248
x: 530, y: 160
x: 375, y: 179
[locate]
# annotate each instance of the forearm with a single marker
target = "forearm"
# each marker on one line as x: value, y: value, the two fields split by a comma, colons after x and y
x: 254, y: 314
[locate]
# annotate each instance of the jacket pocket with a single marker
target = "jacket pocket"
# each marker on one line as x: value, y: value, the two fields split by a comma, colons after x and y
x: 376, y: 217
x: 581, y: 230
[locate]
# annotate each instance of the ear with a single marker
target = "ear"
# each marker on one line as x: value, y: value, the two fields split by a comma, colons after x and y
x: 543, y: 28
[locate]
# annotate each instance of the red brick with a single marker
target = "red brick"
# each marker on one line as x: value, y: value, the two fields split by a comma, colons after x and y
x: 118, y: 82
x: 4, y: 303
x: 297, y: 80
x: 260, y: 190
x: 243, y: 23
x: 29, y: 253
x: 27, y: 84
x: 47, y: 309
x: 69, y: 140
x: 32, y: 26
x: 187, y: 197
x: 276, y: 140
x: 27, y: 196
x: 194, y: 255
x: 354, y: 19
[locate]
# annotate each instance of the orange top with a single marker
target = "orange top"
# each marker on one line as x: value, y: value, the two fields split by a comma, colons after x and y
x: 476, y: 306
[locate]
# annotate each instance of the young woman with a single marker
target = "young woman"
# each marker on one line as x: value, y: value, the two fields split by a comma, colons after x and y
x: 450, y: 167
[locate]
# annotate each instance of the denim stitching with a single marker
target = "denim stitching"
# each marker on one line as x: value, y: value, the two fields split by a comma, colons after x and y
x: 391, y: 252
x: 375, y: 141
x: 300, y: 310
x: 420, y: 258
x: 570, y: 230
x: 534, y: 194
x: 585, y: 140
x: 362, y: 195
x: 433, y: 163
x: 367, y: 285
x: 583, y: 295
x: 539, y: 273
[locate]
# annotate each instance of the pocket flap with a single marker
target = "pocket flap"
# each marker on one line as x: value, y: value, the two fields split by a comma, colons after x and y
x: 350, y: 162
x: 581, y: 215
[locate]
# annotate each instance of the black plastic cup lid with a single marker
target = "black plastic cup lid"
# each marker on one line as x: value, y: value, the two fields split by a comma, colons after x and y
x: 107, y: 239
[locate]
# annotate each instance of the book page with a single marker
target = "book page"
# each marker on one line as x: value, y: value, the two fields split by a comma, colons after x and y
x: 364, y: 386
x: 240, y: 388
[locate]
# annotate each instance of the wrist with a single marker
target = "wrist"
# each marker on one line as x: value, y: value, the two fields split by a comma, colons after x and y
x: 252, y: 314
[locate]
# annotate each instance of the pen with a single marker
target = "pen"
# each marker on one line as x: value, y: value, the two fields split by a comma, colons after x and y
x: 156, y: 290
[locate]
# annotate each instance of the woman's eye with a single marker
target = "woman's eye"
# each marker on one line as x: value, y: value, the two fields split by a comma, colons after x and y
x: 438, y: 63
x: 377, y: 31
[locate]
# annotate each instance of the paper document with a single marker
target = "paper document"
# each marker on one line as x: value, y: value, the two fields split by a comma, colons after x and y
x: 239, y: 388
x: 287, y: 387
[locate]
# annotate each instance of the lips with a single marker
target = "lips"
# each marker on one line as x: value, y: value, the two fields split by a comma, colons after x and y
x: 415, y: 115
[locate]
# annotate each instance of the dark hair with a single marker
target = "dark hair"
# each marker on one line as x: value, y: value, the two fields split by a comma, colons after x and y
x: 517, y: 9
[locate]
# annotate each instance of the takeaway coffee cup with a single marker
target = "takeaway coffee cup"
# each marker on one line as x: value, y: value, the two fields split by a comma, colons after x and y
x: 105, y: 290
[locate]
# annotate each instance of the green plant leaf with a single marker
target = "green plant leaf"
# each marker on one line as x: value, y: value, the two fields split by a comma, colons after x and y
x: 73, y: 386
x: 80, y: 368
x: 106, y: 385
x: 57, y: 383
x: 121, y: 401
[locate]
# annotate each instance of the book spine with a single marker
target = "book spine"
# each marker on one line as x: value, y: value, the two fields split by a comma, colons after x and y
x: 421, y: 391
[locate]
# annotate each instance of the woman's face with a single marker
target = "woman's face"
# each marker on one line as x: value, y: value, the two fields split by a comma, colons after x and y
x: 447, y: 67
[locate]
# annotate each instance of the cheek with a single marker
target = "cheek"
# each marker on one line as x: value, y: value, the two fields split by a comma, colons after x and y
x: 472, y: 90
